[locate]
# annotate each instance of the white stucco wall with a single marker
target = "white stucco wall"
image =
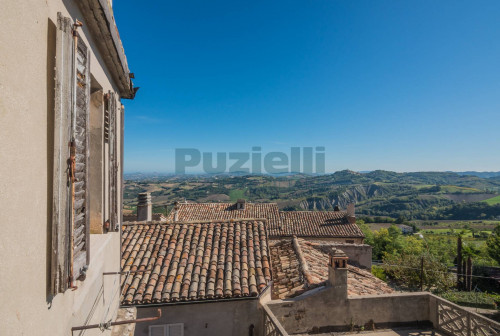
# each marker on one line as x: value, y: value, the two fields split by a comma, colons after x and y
x: 27, y: 52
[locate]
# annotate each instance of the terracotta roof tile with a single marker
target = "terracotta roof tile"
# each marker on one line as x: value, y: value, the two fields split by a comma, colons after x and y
x: 156, y: 217
x: 299, y: 265
x: 319, y: 224
x: 316, y: 224
x: 194, y: 261
x: 225, y: 211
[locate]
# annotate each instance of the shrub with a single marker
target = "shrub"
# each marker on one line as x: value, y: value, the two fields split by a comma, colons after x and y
x: 379, y: 272
x: 471, y: 299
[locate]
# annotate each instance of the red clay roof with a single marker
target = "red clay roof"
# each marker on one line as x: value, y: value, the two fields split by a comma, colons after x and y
x: 299, y: 265
x: 224, y: 211
x: 321, y: 224
x: 194, y: 261
x: 155, y: 217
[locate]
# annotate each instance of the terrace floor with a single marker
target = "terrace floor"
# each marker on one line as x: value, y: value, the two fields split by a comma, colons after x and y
x: 386, y: 332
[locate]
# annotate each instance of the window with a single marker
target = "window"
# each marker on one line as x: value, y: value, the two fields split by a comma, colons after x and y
x: 349, y: 241
x: 175, y: 329
x: 70, y: 210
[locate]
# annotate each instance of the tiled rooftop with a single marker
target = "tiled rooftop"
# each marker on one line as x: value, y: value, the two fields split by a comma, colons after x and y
x: 319, y: 224
x: 224, y: 211
x: 156, y: 217
x: 299, y: 265
x: 194, y: 261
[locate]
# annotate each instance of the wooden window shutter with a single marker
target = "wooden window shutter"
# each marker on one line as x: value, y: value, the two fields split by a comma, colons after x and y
x: 80, y: 147
x: 61, y: 195
x: 113, y: 163
x: 70, y: 210
x: 120, y: 172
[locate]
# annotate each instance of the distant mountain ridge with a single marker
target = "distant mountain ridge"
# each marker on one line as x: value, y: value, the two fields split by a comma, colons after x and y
x: 143, y: 175
x: 480, y: 174
x: 377, y: 193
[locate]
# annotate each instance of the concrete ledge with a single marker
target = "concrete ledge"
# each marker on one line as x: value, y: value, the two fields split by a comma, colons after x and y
x: 323, y: 312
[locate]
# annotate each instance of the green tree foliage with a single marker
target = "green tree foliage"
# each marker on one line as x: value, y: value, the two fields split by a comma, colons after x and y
x: 493, y: 244
x: 469, y: 211
x: 405, y: 270
x: 402, y: 255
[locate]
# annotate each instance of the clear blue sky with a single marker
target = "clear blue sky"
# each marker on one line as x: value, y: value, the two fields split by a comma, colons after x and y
x: 398, y: 85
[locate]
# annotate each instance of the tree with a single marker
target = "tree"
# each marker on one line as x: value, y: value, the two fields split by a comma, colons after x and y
x: 405, y: 270
x: 401, y: 220
x: 366, y: 231
x: 493, y: 244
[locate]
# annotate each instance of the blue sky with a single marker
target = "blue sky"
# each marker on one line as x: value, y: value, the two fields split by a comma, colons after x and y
x: 398, y: 85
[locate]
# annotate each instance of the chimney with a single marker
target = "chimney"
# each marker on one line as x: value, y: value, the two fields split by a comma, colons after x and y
x: 337, y: 274
x: 351, y: 217
x: 240, y: 204
x: 176, y: 211
x: 144, y: 207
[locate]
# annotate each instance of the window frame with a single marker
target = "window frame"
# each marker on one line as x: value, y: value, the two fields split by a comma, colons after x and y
x: 166, y: 331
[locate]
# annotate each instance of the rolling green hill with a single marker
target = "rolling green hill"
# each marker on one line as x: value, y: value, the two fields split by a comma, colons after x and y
x: 420, y: 195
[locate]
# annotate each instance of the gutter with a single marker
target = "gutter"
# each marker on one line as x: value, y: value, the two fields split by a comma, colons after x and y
x: 161, y: 304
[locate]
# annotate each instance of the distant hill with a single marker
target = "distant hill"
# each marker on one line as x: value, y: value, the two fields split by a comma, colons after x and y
x: 422, y: 195
x: 480, y: 174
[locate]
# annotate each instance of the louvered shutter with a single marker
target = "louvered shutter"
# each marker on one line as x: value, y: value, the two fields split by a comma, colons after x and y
x: 61, y: 201
x: 113, y: 163
x: 120, y: 171
x: 80, y: 142
x: 70, y: 210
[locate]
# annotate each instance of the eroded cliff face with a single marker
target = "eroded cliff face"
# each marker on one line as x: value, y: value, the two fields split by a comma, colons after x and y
x: 342, y: 199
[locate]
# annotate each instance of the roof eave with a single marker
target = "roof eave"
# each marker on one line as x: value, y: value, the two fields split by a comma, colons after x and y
x: 186, y: 302
x: 271, y: 236
x: 98, y: 15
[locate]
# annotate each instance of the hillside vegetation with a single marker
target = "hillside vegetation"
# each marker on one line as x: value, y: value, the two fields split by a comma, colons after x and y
x: 420, y: 195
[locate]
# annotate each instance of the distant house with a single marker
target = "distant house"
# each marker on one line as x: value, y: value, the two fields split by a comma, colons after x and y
x: 337, y: 226
x: 63, y: 74
x: 405, y: 229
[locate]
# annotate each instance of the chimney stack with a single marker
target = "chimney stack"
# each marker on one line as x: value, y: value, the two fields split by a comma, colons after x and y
x: 240, y: 204
x: 337, y: 274
x: 351, y: 217
x: 144, y: 207
x: 176, y: 211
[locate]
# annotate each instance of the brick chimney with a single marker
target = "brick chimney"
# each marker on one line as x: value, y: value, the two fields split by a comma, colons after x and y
x: 240, y: 204
x: 351, y: 217
x: 144, y: 207
x: 337, y: 274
